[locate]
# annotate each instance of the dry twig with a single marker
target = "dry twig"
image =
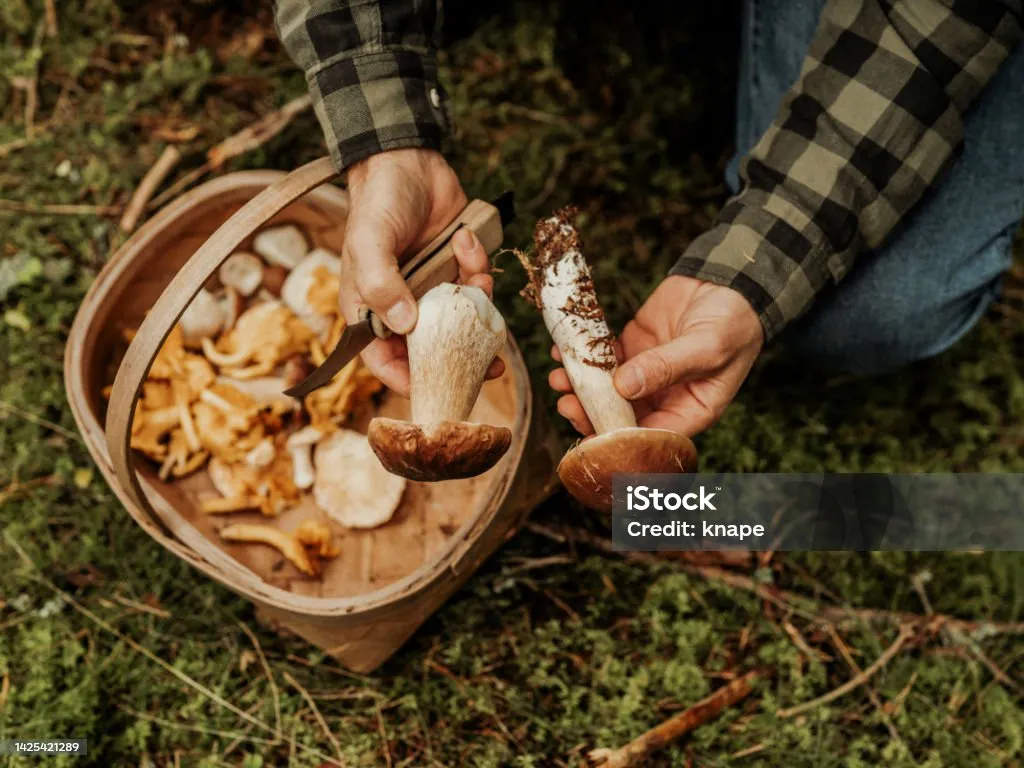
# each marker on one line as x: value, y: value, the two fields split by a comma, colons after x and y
x: 316, y: 713
x: 270, y: 678
x: 905, y: 633
x: 249, y: 138
x: 638, y: 750
x: 169, y: 158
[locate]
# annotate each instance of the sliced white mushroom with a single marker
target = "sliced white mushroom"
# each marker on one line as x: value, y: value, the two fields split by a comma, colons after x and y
x: 223, y: 478
x: 281, y: 245
x: 243, y: 272
x: 202, y: 319
x: 295, y: 291
x: 351, y: 486
x: 300, y: 446
x: 262, y: 455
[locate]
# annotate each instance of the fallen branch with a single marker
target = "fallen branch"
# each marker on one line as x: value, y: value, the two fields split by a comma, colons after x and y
x: 251, y: 137
x: 906, y: 632
x: 258, y: 133
x: 638, y: 750
x: 153, y: 178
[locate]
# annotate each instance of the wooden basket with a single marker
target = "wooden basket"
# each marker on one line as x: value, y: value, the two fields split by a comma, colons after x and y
x: 387, y: 581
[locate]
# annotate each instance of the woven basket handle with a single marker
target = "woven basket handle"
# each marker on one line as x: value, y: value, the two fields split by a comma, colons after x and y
x: 178, y: 294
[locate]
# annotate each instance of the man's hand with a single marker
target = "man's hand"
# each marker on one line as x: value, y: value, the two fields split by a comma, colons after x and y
x: 683, y: 357
x: 398, y: 202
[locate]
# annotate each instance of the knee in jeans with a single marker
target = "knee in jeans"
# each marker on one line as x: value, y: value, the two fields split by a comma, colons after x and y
x: 883, y: 337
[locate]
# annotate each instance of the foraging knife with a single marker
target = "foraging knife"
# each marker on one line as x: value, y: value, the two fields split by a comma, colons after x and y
x: 433, y: 265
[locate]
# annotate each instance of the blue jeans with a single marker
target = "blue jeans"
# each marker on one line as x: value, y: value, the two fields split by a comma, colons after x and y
x: 939, y: 272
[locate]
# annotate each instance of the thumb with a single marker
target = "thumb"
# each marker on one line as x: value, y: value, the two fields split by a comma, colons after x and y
x: 687, y: 357
x: 370, y: 250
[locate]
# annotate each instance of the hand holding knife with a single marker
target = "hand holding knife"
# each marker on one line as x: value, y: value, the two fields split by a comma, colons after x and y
x: 431, y: 266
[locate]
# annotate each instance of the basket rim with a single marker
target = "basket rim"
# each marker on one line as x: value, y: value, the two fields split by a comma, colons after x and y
x: 389, y: 598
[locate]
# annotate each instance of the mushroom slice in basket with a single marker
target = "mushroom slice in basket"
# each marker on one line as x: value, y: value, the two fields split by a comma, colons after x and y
x: 156, y: 394
x: 150, y: 430
x: 198, y: 373
x: 169, y: 361
x: 264, y: 336
x: 289, y: 546
x: 333, y: 403
x: 243, y: 272
x: 311, y: 290
x: 202, y: 319
x: 316, y: 535
x: 351, y: 486
x: 262, y: 455
x: 300, y: 446
x: 181, y: 460
x: 285, y: 246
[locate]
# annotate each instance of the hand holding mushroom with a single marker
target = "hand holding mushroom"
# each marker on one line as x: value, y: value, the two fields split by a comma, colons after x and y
x: 686, y: 353
x: 457, y: 336
x: 399, y: 201
x: 561, y: 287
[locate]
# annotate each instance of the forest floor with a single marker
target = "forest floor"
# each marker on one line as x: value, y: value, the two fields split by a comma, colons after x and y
x: 554, y: 646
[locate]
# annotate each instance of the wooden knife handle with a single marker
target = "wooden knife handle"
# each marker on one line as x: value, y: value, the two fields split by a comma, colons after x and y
x: 435, y: 263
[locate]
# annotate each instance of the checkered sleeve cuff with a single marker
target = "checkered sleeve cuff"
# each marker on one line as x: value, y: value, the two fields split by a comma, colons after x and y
x: 379, y: 101
x: 776, y: 265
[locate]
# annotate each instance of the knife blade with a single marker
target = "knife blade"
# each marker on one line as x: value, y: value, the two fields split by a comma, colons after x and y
x: 433, y: 265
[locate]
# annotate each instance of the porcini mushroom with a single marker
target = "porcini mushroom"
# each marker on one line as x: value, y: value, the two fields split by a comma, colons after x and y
x: 285, y: 246
x: 456, y: 338
x: 350, y: 485
x: 243, y: 272
x: 561, y: 287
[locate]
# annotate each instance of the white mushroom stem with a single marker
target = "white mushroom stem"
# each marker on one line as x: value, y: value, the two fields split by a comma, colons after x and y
x: 457, y: 335
x: 300, y: 447
x: 562, y: 286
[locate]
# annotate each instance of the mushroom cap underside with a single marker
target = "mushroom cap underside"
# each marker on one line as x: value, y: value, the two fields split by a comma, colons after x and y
x: 586, y: 469
x: 443, y: 451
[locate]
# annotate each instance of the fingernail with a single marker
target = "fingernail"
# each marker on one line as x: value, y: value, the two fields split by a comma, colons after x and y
x: 464, y: 240
x: 402, y: 316
x: 629, y: 380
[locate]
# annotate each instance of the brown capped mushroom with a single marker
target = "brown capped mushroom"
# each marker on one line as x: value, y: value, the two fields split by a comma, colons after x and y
x: 285, y: 246
x: 456, y: 338
x: 350, y: 485
x: 561, y: 287
x: 243, y: 272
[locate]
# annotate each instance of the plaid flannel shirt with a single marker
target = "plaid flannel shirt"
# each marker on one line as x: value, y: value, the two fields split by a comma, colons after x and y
x: 371, y: 70
x: 874, y: 118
